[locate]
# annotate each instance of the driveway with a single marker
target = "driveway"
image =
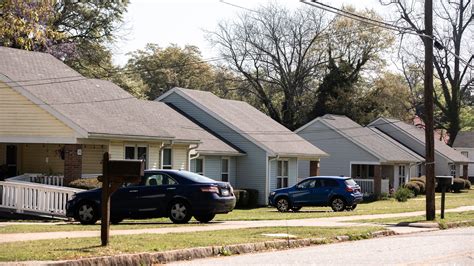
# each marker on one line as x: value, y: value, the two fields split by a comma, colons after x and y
x: 343, y: 221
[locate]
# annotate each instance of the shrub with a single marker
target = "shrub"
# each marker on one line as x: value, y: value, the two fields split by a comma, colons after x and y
x: 419, y: 179
x: 467, y: 184
x: 384, y: 196
x: 421, y: 185
x: 413, y: 187
x: 403, y: 194
x: 458, y: 184
x: 85, y: 183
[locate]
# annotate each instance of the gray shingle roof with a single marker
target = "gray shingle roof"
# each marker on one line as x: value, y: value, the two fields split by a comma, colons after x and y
x: 98, y: 106
x: 419, y: 135
x: 464, y: 139
x: 254, y: 124
x: 373, y: 141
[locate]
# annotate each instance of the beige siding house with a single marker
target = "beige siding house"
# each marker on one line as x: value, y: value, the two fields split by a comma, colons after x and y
x: 55, y: 121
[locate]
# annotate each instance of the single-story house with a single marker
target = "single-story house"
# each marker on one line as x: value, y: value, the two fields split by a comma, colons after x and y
x: 55, y: 121
x: 464, y: 143
x: 448, y: 161
x: 271, y: 151
x: 357, y: 151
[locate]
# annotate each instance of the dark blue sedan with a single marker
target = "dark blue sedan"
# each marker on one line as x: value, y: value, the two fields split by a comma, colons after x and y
x: 341, y: 193
x: 178, y: 195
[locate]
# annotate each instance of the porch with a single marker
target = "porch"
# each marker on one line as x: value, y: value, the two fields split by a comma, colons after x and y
x: 380, y: 178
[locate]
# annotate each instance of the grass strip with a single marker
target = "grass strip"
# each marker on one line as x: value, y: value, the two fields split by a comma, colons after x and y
x: 76, y: 248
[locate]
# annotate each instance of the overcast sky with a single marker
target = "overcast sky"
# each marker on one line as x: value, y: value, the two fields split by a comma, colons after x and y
x: 183, y: 21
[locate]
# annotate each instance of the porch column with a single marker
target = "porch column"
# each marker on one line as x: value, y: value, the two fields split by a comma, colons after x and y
x: 72, y: 162
x: 313, y: 168
x: 465, y: 168
x: 377, y: 180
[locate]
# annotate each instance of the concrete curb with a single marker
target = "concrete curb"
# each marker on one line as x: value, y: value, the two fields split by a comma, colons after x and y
x: 424, y: 225
x: 202, y: 252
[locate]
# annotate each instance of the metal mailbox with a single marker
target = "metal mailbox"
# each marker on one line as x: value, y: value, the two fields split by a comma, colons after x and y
x: 444, y: 181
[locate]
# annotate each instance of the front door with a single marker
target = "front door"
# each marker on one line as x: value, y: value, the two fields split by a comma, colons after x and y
x: 12, y: 152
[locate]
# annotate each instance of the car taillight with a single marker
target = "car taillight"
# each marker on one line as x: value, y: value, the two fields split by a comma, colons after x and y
x: 210, y: 189
x: 349, y: 189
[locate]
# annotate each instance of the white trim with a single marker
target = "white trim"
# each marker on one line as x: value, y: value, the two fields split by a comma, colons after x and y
x: 365, y: 162
x: 80, y: 132
x: 216, y: 116
x: 35, y: 139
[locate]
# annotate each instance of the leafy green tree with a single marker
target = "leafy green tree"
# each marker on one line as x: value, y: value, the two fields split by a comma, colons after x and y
x: 76, y: 32
x: 162, y: 69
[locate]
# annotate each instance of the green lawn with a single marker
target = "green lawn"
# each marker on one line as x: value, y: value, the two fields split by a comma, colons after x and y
x: 90, y: 247
x: 265, y: 213
x: 452, y: 217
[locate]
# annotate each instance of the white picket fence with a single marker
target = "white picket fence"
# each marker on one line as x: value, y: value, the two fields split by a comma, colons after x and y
x: 33, y: 198
x: 39, y: 178
x: 367, y: 185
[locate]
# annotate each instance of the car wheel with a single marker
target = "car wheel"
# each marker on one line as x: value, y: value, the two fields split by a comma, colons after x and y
x: 116, y: 220
x: 87, y: 213
x: 204, y: 218
x: 180, y: 212
x: 338, y: 204
x: 295, y: 209
x: 282, y: 204
x: 353, y: 207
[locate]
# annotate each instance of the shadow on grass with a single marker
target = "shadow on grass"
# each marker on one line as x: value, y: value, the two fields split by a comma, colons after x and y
x: 88, y: 249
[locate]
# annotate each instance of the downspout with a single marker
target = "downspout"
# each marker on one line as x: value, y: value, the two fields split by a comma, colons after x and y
x: 267, y: 192
x: 194, y: 157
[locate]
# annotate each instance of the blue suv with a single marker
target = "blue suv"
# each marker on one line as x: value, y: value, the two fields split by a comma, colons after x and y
x: 341, y: 193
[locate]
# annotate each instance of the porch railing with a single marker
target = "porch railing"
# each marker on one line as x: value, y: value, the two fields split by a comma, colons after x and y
x: 54, y: 180
x: 367, y: 185
x: 34, y: 198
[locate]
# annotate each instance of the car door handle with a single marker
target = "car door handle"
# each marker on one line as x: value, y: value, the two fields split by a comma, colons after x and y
x: 170, y: 188
x: 133, y: 191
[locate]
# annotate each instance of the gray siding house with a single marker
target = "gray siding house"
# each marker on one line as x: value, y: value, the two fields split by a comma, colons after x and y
x: 448, y: 161
x: 464, y: 143
x: 359, y: 152
x: 269, y: 152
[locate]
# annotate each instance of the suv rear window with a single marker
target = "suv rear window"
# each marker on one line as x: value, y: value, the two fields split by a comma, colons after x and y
x: 350, y: 182
x: 330, y: 183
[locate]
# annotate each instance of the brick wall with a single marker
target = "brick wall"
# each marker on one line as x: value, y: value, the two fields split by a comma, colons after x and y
x: 72, y: 162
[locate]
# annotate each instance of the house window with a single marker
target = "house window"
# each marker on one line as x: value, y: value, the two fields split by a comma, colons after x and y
x: 465, y: 153
x: 133, y: 152
x: 420, y: 171
x: 401, y: 174
x: 452, y: 168
x: 282, y: 174
x: 225, y: 169
x: 166, y: 162
x: 199, y: 168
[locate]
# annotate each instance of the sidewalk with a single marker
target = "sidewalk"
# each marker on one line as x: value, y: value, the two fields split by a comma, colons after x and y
x: 343, y: 221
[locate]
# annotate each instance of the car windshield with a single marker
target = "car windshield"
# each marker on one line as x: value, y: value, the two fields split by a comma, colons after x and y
x: 196, y: 177
x: 350, y: 182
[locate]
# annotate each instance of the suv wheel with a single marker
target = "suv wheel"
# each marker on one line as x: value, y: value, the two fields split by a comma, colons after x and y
x: 282, y: 204
x: 295, y: 209
x: 179, y: 212
x: 338, y: 204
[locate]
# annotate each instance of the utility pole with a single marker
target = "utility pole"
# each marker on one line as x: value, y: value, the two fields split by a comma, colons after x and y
x: 429, y: 128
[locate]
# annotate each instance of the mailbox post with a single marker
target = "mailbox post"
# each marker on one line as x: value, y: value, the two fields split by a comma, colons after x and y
x: 114, y: 174
x: 444, y: 182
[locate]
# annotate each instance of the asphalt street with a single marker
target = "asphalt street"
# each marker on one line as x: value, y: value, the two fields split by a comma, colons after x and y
x: 446, y: 247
